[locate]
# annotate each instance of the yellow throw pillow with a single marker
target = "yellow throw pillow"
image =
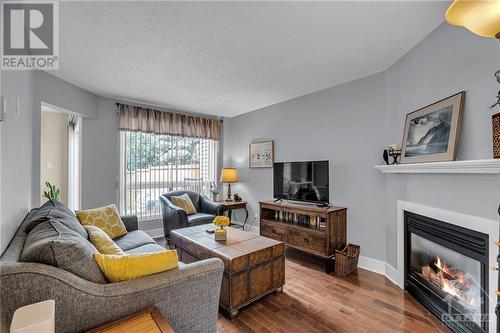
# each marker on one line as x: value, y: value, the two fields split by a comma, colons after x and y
x: 106, y: 218
x: 126, y: 267
x: 102, y: 242
x: 184, y: 202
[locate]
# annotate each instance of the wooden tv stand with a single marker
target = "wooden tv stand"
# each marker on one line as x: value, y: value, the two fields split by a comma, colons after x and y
x: 308, y: 228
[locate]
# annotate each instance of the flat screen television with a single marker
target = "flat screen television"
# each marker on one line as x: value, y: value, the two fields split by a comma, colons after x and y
x: 302, y: 181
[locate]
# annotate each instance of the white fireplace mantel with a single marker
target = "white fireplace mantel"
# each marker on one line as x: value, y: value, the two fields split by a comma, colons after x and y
x: 489, y: 166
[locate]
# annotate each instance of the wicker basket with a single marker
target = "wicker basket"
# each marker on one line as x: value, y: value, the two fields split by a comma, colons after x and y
x: 346, y: 261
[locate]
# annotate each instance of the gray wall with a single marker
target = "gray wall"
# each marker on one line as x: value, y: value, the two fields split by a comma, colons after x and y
x: 340, y: 124
x: 17, y: 152
x: 20, y: 144
x: 351, y: 124
x: 57, y: 92
x: 20, y: 163
x: 449, y: 60
x: 100, y: 151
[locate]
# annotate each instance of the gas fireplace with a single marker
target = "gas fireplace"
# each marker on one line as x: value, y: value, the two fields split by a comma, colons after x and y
x: 446, y: 270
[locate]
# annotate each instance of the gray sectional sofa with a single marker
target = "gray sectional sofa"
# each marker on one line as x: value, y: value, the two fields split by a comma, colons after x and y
x: 48, y: 258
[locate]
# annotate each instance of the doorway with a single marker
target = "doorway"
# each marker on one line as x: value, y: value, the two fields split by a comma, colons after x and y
x: 60, y: 154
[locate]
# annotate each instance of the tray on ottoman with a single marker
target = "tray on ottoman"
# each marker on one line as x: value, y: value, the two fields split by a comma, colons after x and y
x: 254, y: 266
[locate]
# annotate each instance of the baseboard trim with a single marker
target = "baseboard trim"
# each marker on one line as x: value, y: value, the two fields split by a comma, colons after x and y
x: 373, y: 265
x: 392, y: 274
x: 379, y: 267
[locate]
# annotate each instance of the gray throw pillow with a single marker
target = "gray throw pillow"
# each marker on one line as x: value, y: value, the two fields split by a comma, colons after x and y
x: 54, y: 244
x: 56, y: 210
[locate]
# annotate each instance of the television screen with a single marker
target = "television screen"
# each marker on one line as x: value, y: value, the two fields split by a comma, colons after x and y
x: 301, y: 181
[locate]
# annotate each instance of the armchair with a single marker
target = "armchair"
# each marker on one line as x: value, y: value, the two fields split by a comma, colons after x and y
x: 175, y: 217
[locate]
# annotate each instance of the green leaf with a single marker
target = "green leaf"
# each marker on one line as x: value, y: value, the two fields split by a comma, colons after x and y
x: 52, y: 193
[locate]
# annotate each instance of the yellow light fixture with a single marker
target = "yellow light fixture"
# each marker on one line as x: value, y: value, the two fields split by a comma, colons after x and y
x: 229, y: 175
x: 479, y: 17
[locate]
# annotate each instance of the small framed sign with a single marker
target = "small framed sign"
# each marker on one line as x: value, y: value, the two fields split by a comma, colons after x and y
x: 261, y: 154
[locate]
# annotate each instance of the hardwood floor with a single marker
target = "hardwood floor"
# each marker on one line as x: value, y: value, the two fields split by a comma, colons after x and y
x: 313, y: 301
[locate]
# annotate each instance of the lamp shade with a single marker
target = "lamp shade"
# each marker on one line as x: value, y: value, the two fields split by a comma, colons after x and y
x: 479, y: 17
x: 229, y: 175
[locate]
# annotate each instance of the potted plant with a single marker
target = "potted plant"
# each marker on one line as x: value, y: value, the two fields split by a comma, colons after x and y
x: 214, y: 189
x: 52, y: 192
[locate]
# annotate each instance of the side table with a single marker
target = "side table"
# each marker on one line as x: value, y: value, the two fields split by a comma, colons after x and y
x: 230, y: 206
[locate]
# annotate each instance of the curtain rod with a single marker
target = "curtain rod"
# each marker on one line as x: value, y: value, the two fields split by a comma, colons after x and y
x: 178, y: 112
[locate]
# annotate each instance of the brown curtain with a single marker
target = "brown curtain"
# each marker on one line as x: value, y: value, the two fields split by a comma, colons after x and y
x: 135, y: 118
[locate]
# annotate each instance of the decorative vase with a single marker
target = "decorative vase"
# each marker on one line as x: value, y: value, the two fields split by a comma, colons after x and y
x: 221, y: 234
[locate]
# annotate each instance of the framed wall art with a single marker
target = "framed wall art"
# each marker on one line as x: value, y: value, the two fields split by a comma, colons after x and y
x: 261, y: 154
x: 431, y: 134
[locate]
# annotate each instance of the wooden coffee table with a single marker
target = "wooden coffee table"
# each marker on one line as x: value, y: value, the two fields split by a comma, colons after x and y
x: 254, y: 266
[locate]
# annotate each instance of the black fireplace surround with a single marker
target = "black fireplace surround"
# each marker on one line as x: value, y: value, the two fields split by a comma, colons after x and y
x: 446, y: 270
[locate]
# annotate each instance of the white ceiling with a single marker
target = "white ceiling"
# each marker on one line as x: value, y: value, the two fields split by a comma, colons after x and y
x: 228, y: 58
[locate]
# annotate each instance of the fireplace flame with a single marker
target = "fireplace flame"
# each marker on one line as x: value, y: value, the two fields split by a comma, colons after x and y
x: 442, y: 266
x: 473, y: 303
x: 449, y: 289
x: 451, y: 281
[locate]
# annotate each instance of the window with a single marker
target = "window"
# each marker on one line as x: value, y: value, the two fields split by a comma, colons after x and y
x: 152, y: 164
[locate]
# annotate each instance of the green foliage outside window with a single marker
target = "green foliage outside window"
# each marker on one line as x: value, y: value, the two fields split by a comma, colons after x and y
x: 145, y: 150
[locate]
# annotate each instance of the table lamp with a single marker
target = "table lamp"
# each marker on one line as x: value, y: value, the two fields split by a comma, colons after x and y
x: 229, y: 175
x: 482, y: 18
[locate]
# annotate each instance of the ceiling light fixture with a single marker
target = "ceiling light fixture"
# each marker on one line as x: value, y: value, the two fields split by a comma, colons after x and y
x: 479, y: 17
